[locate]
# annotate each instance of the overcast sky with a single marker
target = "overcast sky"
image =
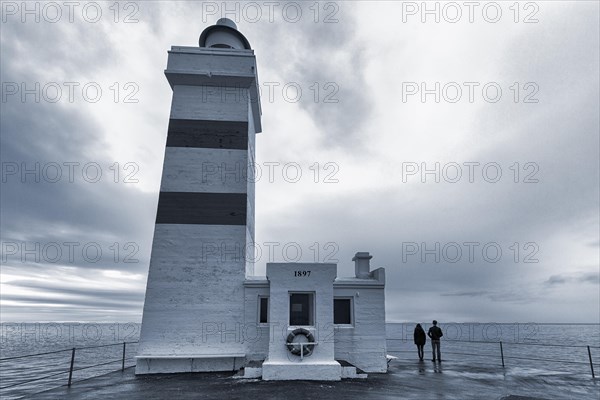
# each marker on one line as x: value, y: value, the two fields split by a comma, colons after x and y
x: 517, y: 116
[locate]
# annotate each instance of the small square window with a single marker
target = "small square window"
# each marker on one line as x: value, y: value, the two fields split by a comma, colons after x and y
x: 302, y: 309
x: 263, y: 311
x: 342, y: 311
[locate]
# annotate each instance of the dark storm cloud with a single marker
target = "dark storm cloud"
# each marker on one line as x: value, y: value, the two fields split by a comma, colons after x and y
x: 510, y: 296
x: 44, y: 212
x: 591, y: 278
x: 560, y: 134
x: 556, y: 280
x: 35, y: 211
x: 125, y: 296
x: 33, y: 128
x: 466, y: 294
x: 88, y: 53
x: 328, y: 55
x: 94, y: 302
x: 65, y: 296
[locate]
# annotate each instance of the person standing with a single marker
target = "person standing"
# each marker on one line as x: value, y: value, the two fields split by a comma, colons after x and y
x: 420, y: 339
x: 435, y: 334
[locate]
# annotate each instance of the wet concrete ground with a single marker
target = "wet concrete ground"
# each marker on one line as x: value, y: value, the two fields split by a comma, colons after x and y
x: 406, y: 380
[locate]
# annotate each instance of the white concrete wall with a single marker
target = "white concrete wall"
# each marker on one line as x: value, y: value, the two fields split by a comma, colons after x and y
x: 210, y: 60
x: 214, y: 103
x: 363, y: 344
x: 281, y: 364
x: 216, y: 67
x: 185, y: 364
x: 256, y: 335
x: 195, y: 296
x: 204, y: 170
x: 250, y: 190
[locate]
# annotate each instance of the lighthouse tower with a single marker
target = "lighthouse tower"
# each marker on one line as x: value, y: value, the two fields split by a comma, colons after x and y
x: 194, y: 305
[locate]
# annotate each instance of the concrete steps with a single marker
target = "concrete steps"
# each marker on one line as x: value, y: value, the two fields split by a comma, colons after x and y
x: 349, y: 371
x: 253, y: 370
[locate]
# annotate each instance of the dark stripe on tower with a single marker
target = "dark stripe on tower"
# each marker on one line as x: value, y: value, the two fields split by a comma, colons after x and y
x: 201, y: 208
x: 208, y: 134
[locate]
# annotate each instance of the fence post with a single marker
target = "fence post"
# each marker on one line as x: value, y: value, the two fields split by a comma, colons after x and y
x: 591, y: 364
x: 502, y: 354
x: 123, y: 363
x: 71, y: 368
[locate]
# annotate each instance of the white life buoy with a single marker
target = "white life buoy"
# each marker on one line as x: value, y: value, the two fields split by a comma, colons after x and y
x: 295, y: 347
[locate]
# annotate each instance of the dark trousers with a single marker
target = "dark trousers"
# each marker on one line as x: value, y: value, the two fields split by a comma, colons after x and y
x: 435, y: 344
x: 420, y: 350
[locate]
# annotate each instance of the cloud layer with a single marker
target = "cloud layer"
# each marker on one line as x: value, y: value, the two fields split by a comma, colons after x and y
x: 438, y: 240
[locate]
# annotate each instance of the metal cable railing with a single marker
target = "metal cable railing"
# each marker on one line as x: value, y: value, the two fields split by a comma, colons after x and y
x: 34, y: 355
x: 71, y: 364
x: 503, y: 357
x: 33, y: 380
x: 511, y: 343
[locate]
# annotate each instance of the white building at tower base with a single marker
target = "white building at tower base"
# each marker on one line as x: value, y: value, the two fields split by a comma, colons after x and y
x: 344, y: 316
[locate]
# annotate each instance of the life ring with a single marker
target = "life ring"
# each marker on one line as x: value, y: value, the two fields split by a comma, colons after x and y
x: 295, y: 348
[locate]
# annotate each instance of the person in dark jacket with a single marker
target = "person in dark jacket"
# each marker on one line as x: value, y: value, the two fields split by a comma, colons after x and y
x: 420, y: 340
x: 435, y: 333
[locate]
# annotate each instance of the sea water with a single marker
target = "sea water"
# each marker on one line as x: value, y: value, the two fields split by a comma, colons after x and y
x: 527, y: 348
x: 542, y: 347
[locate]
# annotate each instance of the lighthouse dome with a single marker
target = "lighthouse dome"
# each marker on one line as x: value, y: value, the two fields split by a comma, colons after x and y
x: 224, y: 35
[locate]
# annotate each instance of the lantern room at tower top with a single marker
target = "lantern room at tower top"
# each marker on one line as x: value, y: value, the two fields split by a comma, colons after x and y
x: 210, y: 312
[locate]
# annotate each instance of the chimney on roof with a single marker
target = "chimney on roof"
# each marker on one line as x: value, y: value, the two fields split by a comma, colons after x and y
x: 362, y: 267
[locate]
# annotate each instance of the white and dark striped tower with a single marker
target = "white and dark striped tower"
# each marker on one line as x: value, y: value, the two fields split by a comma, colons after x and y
x: 194, y: 306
